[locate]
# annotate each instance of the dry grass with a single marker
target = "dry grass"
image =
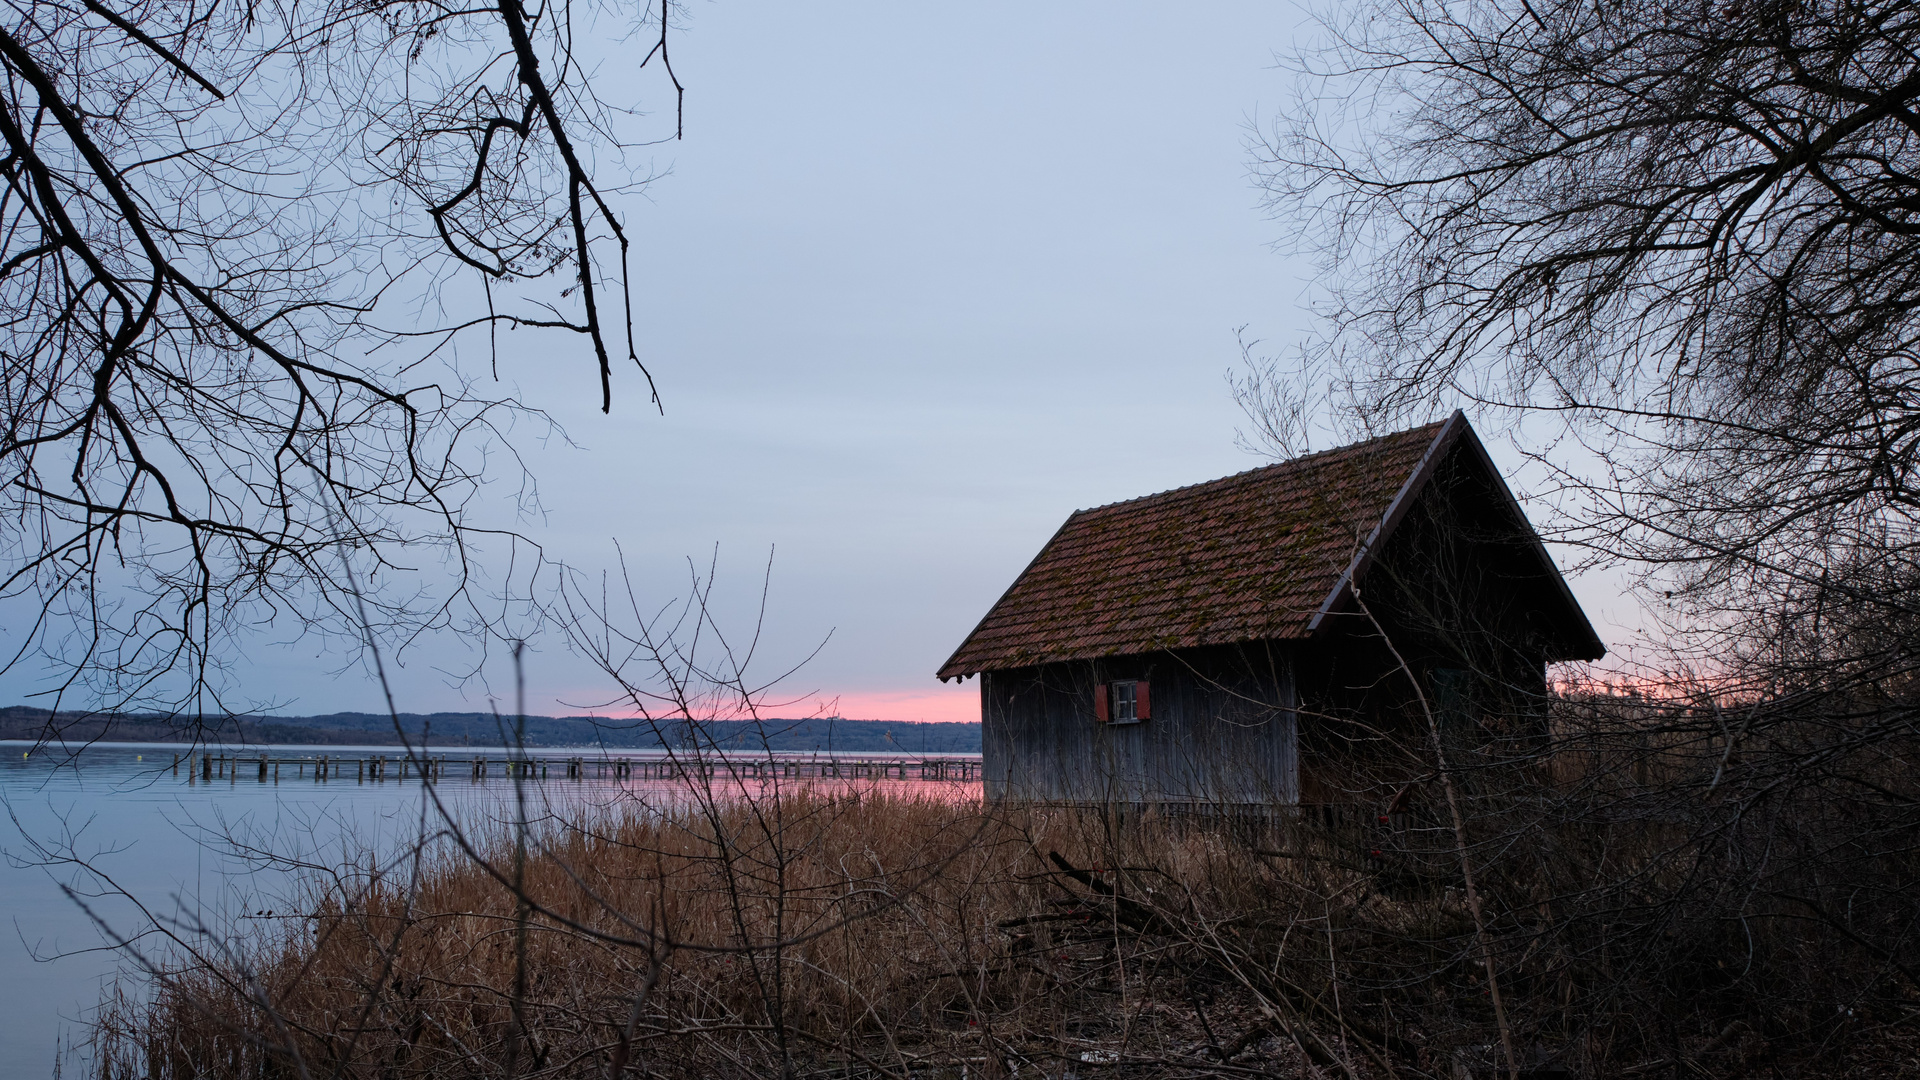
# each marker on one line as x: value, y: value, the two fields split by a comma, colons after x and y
x: 871, y: 931
x: 882, y: 933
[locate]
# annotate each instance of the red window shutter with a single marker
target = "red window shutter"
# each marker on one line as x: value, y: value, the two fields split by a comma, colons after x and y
x: 1141, y: 710
x: 1100, y: 710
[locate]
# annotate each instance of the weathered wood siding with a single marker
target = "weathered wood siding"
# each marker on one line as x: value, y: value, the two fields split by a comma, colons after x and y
x: 1222, y: 730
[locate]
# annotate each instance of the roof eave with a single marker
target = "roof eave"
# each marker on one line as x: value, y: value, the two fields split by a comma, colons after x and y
x: 1403, y: 500
x: 1585, y: 643
x: 957, y: 668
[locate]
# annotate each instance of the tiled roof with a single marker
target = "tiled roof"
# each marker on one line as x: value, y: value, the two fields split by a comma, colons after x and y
x: 1248, y: 557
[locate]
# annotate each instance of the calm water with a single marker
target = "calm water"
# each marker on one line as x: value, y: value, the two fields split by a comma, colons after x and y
x: 168, y: 841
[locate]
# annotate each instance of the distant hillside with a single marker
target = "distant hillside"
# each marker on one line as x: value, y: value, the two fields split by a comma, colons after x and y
x: 482, y: 729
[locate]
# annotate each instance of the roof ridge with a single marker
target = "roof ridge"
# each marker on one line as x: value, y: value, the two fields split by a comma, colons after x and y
x: 1302, y: 460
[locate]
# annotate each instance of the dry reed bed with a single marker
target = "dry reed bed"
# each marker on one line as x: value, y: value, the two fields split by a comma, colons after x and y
x: 875, y: 933
x: 812, y: 934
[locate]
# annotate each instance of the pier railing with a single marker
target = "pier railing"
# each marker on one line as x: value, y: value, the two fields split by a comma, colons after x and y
x: 365, y: 768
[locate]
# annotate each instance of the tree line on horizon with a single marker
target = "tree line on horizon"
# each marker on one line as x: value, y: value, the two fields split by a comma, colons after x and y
x: 432, y: 732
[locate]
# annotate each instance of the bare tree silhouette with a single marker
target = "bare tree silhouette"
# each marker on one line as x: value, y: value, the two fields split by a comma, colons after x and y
x: 1685, y: 229
x: 240, y: 248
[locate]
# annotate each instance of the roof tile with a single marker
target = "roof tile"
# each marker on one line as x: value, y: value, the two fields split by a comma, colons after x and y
x: 1246, y: 557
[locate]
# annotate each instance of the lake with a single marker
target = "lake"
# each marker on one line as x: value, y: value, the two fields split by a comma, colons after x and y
x: 158, y: 826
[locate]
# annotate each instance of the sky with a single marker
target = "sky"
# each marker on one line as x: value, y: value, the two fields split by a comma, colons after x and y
x: 919, y: 281
x: 929, y: 278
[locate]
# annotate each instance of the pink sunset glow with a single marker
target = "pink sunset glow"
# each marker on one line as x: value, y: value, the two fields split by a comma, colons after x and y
x: 959, y: 703
x: 942, y: 704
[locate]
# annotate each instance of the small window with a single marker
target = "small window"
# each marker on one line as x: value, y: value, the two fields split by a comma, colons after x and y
x: 1122, y: 702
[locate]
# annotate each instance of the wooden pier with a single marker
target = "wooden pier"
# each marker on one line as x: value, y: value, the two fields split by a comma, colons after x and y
x: 363, y: 768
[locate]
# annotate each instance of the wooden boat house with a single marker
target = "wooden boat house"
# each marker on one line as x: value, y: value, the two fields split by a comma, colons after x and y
x: 1267, y: 637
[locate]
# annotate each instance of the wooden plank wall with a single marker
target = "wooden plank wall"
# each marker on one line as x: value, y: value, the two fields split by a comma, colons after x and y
x: 1222, y: 730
